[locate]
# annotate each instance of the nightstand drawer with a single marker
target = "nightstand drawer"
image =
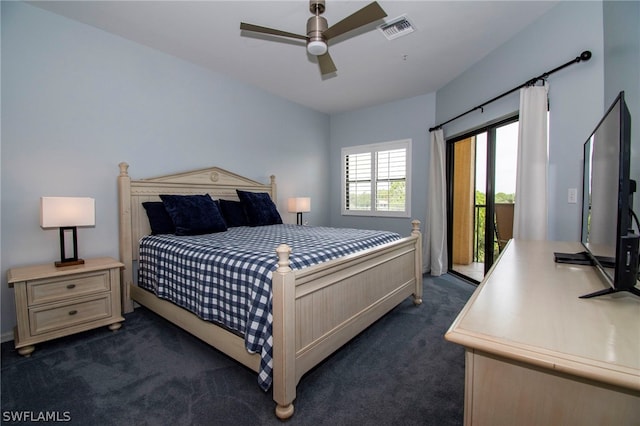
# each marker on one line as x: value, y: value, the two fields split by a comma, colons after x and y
x: 62, y: 288
x: 44, y: 319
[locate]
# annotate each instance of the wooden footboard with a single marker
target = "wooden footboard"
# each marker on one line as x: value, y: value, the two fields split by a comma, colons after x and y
x: 316, y: 310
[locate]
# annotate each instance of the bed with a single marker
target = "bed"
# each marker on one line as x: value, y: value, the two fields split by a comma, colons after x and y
x: 315, y: 309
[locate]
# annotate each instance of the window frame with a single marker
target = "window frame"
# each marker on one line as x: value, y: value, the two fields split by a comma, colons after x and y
x: 373, y: 149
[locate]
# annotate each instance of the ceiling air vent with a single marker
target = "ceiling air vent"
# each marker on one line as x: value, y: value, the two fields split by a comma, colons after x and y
x: 397, y: 28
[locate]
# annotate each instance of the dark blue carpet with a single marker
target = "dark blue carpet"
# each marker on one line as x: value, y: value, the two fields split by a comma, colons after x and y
x: 400, y: 371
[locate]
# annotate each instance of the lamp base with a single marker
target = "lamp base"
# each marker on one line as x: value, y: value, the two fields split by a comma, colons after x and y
x: 63, y: 263
x: 64, y: 259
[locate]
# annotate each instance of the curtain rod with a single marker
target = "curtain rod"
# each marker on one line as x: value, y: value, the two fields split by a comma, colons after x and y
x: 584, y: 56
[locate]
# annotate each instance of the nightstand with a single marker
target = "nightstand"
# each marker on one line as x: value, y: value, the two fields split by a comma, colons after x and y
x: 52, y: 302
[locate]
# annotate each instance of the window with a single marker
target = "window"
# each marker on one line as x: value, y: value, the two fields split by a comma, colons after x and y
x: 375, y: 179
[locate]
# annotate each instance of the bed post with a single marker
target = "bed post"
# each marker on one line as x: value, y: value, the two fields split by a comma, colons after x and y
x: 274, y: 194
x: 126, y: 250
x: 284, y: 337
x: 417, y: 295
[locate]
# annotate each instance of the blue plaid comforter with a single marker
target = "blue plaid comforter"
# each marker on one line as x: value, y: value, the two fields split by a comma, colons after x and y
x: 226, y: 277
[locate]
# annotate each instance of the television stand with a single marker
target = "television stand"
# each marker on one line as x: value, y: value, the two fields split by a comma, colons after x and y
x: 525, y: 324
x: 583, y: 258
x: 611, y: 290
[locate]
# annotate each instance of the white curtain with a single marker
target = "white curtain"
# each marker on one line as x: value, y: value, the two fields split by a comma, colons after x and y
x: 435, y: 238
x: 530, y: 212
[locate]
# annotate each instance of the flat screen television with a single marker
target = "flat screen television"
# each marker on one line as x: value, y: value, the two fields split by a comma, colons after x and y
x: 607, y: 234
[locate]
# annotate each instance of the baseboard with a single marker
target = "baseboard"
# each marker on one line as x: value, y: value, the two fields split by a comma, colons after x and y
x: 5, y: 337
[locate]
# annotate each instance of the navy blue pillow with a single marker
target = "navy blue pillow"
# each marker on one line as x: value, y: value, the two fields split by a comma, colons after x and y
x: 159, y: 219
x: 194, y: 214
x: 259, y: 208
x: 233, y: 213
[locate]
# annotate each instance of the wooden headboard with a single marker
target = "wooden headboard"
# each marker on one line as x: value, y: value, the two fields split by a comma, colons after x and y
x: 133, y: 221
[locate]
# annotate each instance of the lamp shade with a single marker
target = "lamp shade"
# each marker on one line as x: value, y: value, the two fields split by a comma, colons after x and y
x: 56, y: 212
x: 299, y: 205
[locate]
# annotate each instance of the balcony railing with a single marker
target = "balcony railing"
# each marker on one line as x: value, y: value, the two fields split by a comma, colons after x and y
x: 479, y: 218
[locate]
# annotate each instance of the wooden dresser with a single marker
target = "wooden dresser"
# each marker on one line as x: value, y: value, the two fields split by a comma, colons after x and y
x: 536, y: 354
x: 52, y: 302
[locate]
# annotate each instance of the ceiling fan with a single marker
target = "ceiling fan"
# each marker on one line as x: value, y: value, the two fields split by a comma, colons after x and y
x: 319, y: 33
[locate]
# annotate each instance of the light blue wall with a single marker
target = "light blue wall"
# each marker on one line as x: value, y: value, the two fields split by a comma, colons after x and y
x: 76, y: 101
x: 575, y: 96
x: 405, y: 119
x: 622, y: 69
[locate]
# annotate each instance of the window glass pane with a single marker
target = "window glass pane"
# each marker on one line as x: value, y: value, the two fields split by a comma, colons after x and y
x: 391, y: 180
x: 487, y: 155
x: 358, y: 181
x: 392, y: 164
x: 506, y: 159
x: 359, y: 196
x: 390, y: 196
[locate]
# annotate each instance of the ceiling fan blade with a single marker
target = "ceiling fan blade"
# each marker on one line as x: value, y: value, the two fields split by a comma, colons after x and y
x: 326, y: 64
x: 364, y: 16
x: 258, y: 29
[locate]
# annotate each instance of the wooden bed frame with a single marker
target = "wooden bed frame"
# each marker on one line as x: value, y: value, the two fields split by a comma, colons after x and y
x: 316, y: 310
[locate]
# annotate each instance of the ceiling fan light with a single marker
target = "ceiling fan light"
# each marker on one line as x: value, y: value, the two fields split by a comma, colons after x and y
x: 317, y: 47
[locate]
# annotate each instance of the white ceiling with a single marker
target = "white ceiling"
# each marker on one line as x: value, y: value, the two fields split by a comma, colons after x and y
x: 450, y: 36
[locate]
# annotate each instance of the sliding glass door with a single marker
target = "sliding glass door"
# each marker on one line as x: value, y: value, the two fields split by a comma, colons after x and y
x: 481, y: 185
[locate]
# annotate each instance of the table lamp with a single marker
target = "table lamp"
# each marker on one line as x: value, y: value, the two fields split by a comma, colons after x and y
x: 67, y: 213
x: 299, y: 205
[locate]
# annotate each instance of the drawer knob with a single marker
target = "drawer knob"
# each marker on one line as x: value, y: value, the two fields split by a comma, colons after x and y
x: 71, y: 286
x: 73, y: 312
